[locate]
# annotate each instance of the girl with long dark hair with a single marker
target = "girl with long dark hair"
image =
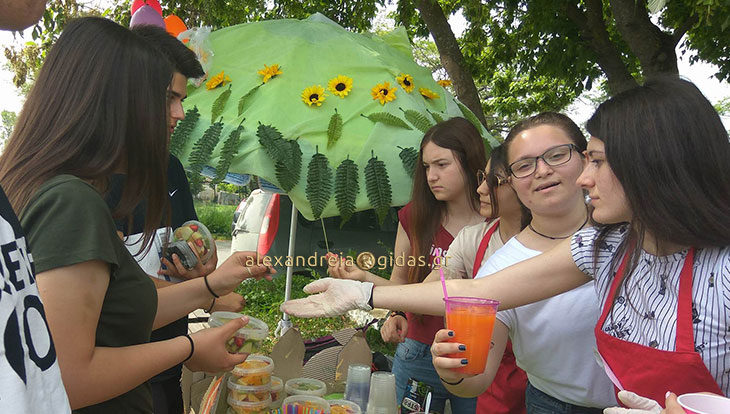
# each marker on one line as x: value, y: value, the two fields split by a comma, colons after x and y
x: 97, y: 108
x: 658, y: 180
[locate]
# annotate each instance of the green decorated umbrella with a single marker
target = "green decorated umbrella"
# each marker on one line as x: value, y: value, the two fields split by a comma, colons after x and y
x: 333, y: 118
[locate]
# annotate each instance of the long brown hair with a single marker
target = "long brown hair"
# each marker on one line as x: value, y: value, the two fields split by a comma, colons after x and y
x: 98, y: 106
x: 464, y: 141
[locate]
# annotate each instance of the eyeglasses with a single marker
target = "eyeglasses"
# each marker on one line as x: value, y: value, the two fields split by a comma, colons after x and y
x: 482, y: 176
x: 553, y: 157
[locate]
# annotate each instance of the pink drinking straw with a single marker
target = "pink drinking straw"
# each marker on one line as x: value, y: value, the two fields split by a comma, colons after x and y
x: 443, y: 285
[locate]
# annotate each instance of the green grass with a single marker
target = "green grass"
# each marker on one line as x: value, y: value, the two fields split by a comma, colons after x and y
x: 216, y: 217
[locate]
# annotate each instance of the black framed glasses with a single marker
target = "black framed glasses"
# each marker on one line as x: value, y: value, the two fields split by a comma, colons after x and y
x: 553, y: 157
x: 492, y: 180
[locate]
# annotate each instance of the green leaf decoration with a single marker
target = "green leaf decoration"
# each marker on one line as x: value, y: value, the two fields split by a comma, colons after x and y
x: 182, y: 132
x: 436, y: 116
x: 417, y: 119
x: 202, y: 150
x: 409, y: 156
x: 469, y: 115
x: 287, y: 172
x: 387, y: 119
x: 228, y: 152
x: 319, y: 183
x: 334, y: 130
x: 220, y: 103
x: 273, y: 142
x: 242, y: 101
x: 377, y: 186
x: 346, y: 189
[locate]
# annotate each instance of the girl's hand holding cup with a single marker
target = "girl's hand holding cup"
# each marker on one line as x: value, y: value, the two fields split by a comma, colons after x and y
x: 446, y: 366
x: 210, y: 353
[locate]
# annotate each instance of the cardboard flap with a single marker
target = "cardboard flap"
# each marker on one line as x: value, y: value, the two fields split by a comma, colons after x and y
x: 356, y: 351
x: 288, y: 354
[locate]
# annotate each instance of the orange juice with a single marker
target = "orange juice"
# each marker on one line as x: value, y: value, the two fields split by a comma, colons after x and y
x: 472, y: 320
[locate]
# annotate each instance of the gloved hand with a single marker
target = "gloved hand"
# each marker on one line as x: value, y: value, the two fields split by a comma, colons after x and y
x: 333, y: 297
x: 636, y: 405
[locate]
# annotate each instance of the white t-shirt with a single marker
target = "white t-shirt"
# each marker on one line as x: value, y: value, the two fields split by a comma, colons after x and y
x: 30, y: 380
x: 647, y: 315
x: 553, y: 339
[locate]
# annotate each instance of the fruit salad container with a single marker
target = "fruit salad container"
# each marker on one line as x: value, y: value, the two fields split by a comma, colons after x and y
x: 255, y: 370
x: 244, y: 407
x: 277, y: 391
x: 344, y: 407
x: 305, y: 386
x: 246, y: 340
x: 248, y: 393
x: 305, y: 404
x: 198, y: 235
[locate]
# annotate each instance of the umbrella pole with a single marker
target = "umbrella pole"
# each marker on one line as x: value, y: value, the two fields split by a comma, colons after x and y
x: 284, y: 323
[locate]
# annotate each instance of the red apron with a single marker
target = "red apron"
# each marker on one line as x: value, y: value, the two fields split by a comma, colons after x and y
x: 506, y: 395
x: 652, y: 372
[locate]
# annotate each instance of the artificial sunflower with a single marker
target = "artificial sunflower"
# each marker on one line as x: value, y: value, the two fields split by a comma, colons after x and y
x: 444, y: 82
x: 313, y: 95
x: 217, y: 80
x: 428, y: 94
x: 340, y: 86
x: 269, y: 72
x: 383, y: 92
x: 406, y: 82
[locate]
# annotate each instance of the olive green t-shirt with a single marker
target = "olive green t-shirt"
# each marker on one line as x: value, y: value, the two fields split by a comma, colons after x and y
x: 67, y: 222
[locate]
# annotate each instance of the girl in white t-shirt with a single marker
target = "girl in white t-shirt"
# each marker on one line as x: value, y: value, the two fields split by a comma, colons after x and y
x: 543, y: 162
x: 658, y: 180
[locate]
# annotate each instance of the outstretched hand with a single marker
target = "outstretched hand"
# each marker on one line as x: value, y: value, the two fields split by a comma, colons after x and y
x: 330, y: 297
x: 635, y: 404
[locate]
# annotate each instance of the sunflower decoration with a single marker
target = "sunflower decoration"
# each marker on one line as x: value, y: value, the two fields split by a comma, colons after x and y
x: 340, y: 86
x: 428, y: 94
x: 270, y: 72
x: 444, y: 82
x: 217, y: 80
x: 383, y: 92
x: 406, y: 82
x: 313, y: 95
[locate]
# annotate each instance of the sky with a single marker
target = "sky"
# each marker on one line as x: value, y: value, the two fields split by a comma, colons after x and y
x: 700, y: 73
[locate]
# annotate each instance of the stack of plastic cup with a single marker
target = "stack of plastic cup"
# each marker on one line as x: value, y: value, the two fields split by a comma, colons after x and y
x: 357, y: 388
x: 382, y: 394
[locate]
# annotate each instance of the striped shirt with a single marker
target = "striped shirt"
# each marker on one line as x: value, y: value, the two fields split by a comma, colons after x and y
x: 646, y: 305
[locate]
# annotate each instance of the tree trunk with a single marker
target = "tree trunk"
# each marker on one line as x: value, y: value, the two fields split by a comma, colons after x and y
x: 451, y: 56
x: 653, y: 47
x: 593, y: 31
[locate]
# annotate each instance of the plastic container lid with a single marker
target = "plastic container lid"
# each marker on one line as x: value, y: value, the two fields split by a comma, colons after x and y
x: 344, y: 407
x: 196, y: 233
x: 256, y: 329
x: 245, y: 407
x: 305, y: 386
x: 255, y: 370
x: 305, y: 401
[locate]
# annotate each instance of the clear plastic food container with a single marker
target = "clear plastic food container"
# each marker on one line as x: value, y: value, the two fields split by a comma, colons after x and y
x: 305, y: 386
x: 248, y: 393
x: 246, y: 340
x: 198, y: 235
x: 301, y: 403
x: 255, y: 370
x: 241, y: 407
x: 277, y: 391
x: 344, y: 407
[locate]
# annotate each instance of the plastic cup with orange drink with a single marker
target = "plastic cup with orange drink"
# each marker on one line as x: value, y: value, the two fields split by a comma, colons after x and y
x: 472, y: 320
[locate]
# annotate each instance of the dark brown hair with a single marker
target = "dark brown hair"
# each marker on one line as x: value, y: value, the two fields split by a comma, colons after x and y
x: 555, y: 119
x: 464, y: 141
x: 98, y: 107
x: 499, y: 165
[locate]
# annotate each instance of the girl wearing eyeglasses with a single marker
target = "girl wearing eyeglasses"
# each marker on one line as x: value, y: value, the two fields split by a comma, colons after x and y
x: 544, y: 162
x: 658, y: 180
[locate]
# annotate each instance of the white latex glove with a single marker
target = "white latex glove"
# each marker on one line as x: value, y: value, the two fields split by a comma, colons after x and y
x: 333, y: 297
x: 636, y: 405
